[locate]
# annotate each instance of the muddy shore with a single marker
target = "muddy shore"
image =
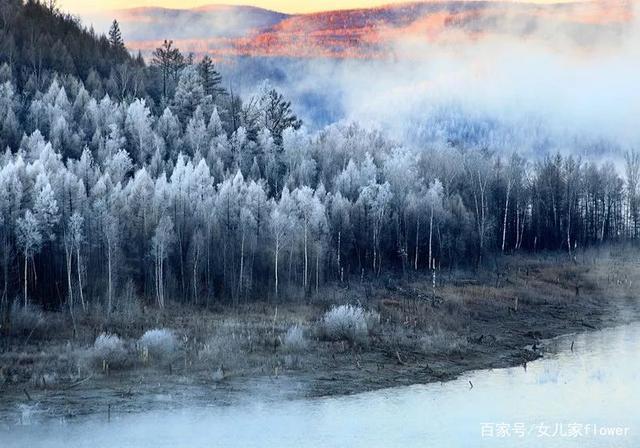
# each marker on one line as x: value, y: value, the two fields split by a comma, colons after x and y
x: 490, y: 318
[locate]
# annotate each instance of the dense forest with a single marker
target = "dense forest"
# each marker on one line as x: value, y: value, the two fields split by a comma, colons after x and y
x: 120, y: 177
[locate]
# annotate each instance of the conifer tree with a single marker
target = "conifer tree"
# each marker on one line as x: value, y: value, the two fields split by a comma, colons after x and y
x: 169, y: 61
x: 211, y: 78
x: 115, y: 37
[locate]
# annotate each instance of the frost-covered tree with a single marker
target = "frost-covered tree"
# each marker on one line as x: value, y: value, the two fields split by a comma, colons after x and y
x: 9, y: 124
x: 45, y: 207
x: 433, y: 198
x: 189, y: 93
x: 11, y: 194
x: 161, y: 245
x: 276, y: 113
x: 478, y: 168
x: 229, y: 196
x: 75, y: 234
x: 312, y: 216
x: 196, y: 133
x: 111, y: 236
x: 169, y: 130
x: 513, y: 176
x: 29, y: 240
x: 374, y: 199
x: 340, y: 211
x: 138, y: 124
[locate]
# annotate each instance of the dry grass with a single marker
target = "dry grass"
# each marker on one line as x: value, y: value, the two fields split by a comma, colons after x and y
x: 266, y: 339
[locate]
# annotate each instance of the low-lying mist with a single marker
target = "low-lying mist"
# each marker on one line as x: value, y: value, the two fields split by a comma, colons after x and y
x: 533, y: 93
x: 538, y: 78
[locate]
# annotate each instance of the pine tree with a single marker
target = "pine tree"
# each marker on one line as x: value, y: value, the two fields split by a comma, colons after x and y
x: 169, y: 60
x: 211, y: 78
x: 115, y: 37
x: 276, y: 113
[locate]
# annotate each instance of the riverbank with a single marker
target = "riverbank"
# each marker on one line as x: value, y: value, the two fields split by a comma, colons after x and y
x: 494, y: 317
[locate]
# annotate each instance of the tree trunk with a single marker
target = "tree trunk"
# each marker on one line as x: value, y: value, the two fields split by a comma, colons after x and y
x: 339, y: 254
x: 109, y: 288
x: 84, y: 308
x: 431, y: 237
x: 161, y: 273
x: 26, y: 258
x: 241, y: 266
x: 69, y: 285
x: 317, y: 270
x: 5, y: 268
x: 569, y: 231
x: 517, y: 223
x: 306, y: 257
x: 158, y: 277
x: 415, y: 262
x: 374, y: 251
x: 195, y: 276
x: 504, y: 223
x: 277, y: 252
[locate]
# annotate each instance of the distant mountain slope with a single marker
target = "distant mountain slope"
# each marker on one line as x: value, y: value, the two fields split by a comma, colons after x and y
x: 152, y: 23
x: 370, y: 32
x: 365, y: 33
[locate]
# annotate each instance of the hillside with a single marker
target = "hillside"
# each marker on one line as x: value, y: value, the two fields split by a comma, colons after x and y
x: 37, y: 40
x: 365, y: 33
x: 152, y: 23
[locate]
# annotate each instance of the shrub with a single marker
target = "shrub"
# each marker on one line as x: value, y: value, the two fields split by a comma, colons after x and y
x: 159, y: 343
x: 347, y: 322
x: 237, y: 344
x: 109, y: 349
x: 442, y: 342
x: 129, y: 304
x: 228, y: 346
x: 294, y: 340
x: 399, y: 336
x: 25, y: 319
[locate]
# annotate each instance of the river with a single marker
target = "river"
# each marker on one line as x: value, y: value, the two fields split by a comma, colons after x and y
x: 584, y: 393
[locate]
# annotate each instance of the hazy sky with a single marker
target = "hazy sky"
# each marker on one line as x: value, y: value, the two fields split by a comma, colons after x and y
x: 291, y: 6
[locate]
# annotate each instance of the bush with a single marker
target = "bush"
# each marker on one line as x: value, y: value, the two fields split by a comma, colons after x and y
x: 349, y: 323
x: 442, y: 342
x: 160, y: 344
x: 294, y: 340
x: 228, y: 347
x: 25, y: 319
x: 109, y: 349
x: 129, y: 304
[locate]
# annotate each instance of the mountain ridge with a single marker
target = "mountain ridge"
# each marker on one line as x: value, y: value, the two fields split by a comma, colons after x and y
x: 242, y: 30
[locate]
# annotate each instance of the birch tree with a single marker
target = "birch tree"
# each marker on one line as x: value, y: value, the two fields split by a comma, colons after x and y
x: 478, y: 171
x: 434, y: 204
x: 512, y: 178
x: 282, y: 227
x: 110, y: 234
x: 161, y: 243
x: 374, y: 199
x: 30, y: 241
x: 76, y: 238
